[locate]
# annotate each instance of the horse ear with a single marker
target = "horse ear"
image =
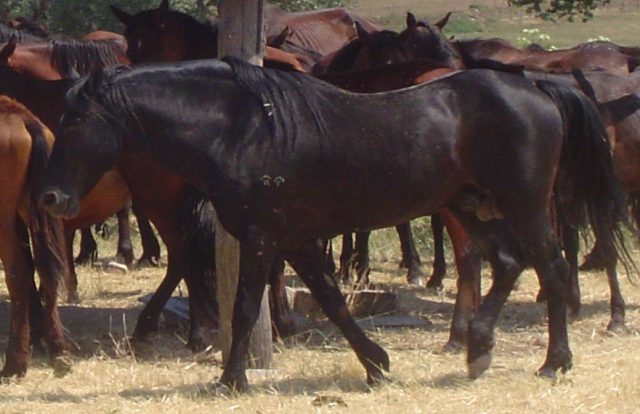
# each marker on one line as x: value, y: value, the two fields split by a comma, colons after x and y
x: 278, y: 40
x: 361, y: 32
x: 164, y: 5
x: 123, y: 16
x: 411, y: 20
x: 8, y: 50
x: 443, y: 22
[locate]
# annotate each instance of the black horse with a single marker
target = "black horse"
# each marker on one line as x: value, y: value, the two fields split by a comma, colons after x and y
x: 288, y: 160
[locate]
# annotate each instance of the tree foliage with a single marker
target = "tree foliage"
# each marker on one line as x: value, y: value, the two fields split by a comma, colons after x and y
x: 560, y: 9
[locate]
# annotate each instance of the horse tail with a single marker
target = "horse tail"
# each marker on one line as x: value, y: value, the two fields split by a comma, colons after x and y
x: 587, y: 163
x: 46, y: 231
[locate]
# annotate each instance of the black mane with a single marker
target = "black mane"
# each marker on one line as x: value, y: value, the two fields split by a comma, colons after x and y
x: 285, y: 96
x: 78, y: 57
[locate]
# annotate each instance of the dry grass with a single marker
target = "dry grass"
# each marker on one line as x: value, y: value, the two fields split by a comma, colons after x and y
x: 106, y: 378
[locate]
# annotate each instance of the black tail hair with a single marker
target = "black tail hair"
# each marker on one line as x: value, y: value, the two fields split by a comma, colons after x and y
x: 46, y: 231
x: 587, y: 159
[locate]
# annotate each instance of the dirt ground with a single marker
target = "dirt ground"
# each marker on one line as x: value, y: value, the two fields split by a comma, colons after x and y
x: 317, y: 372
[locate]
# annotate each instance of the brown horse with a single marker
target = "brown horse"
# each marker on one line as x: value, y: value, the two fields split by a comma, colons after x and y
x: 603, y: 56
x: 63, y: 59
x: 313, y: 34
x: 24, y: 146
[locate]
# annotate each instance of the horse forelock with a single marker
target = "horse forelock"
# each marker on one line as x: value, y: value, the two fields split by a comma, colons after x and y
x: 286, y: 97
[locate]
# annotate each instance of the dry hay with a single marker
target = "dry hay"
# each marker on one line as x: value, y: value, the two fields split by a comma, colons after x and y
x: 319, y: 373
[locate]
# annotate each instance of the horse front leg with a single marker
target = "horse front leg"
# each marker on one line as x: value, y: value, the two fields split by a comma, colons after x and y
x: 256, y: 258
x: 308, y: 263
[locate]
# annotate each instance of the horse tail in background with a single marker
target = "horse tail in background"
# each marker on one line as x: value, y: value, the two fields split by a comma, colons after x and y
x: 587, y: 161
x: 46, y: 231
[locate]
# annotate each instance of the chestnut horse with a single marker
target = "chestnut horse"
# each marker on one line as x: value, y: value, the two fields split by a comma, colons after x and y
x: 24, y: 147
x: 329, y: 161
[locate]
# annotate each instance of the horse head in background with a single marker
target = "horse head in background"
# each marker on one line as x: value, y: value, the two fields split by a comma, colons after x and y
x: 423, y: 40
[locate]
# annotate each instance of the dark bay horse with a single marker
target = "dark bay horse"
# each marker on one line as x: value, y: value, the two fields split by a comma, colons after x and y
x: 288, y: 160
x: 422, y: 40
x: 159, y: 35
x: 24, y: 147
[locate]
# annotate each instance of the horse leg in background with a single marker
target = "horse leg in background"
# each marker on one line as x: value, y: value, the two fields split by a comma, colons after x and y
x: 328, y: 252
x: 439, y: 263
x: 19, y: 274
x: 610, y: 256
x: 88, y: 253
x: 410, y: 256
x: 344, y: 272
x: 595, y: 259
x: 308, y: 263
x: 71, y: 280
x: 571, y: 246
x: 468, y: 263
x: 360, y: 258
x: 285, y: 321
x: 150, y: 246
x: 125, y: 248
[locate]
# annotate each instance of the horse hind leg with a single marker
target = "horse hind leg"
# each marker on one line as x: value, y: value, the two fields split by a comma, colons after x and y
x: 308, y: 263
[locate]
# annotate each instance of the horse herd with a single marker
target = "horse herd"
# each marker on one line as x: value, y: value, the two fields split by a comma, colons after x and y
x: 350, y: 128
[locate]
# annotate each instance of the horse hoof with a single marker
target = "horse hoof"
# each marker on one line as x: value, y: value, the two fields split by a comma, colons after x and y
x: 73, y: 298
x: 61, y: 365
x: 547, y: 372
x: 376, y: 379
x: 479, y: 365
x: 417, y: 281
x: 453, y: 347
x: 145, y: 261
x: 617, y: 327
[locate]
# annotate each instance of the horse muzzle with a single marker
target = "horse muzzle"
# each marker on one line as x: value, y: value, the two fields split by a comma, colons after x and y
x: 57, y: 203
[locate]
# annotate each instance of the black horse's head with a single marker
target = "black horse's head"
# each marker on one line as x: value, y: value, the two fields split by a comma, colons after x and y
x: 423, y: 40
x: 88, y: 144
x: 158, y: 35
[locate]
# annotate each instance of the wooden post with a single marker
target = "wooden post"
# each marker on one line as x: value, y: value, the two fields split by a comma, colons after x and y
x: 241, y: 34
